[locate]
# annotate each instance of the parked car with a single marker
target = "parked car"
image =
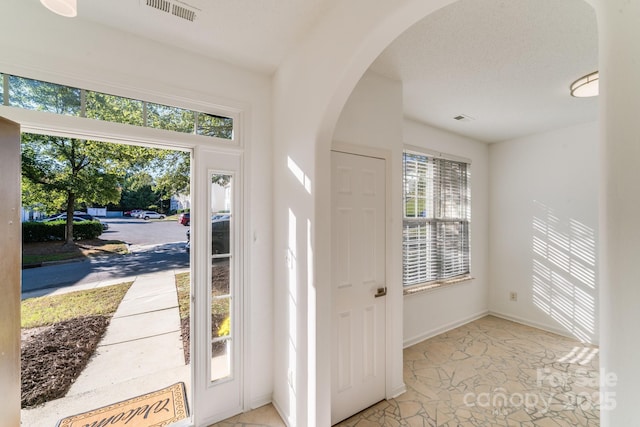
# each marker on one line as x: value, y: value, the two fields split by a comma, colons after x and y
x: 63, y: 218
x: 219, y: 237
x: 77, y: 216
x: 151, y: 215
x: 184, y: 218
x: 220, y: 216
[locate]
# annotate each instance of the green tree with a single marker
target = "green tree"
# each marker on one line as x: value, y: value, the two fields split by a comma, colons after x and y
x: 43, y: 96
x: 115, y: 109
x: 36, y: 198
x: 137, y: 191
x: 173, y: 169
x: 55, y: 98
x: 175, y: 172
x: 209, y: 125
x: 170, y: 118
x: 62, y: 173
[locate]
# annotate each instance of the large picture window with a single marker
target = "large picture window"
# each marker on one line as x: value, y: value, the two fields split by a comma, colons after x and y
x: 437, y: 213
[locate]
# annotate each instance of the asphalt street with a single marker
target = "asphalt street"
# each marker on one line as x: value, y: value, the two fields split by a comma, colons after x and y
x: 155, y: 246
x: 140, y: 232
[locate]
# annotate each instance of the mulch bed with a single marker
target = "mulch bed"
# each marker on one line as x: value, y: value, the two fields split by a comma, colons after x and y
x: 186, y: 337
x: 218, y: 347
x: 53, y: 357
x: 219, y: 284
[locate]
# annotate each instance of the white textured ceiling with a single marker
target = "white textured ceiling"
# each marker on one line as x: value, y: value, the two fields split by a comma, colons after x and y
x: 256, y: 34
x: 505, y: 63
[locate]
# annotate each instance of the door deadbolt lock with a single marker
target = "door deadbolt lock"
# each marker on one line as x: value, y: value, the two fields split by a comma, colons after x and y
x: 381, y: 292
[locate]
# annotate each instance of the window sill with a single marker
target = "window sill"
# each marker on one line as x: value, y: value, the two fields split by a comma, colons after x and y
x: 416, y: 289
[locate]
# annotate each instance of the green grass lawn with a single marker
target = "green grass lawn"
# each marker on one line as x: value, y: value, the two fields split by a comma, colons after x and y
x: 35, y: 253
x: 183, y: 285
x: 36, y: 259
x: 47, y: 310
x: 219, y: 307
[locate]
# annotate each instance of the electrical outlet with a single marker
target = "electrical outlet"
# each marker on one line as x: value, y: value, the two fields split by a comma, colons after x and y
x: 513, y: 296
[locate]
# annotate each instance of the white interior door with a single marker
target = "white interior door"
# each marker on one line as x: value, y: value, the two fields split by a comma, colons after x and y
x: 216, y: 345
x: 358, y: 362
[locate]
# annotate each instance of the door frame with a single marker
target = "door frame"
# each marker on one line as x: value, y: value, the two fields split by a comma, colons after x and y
x: 202, y: 386
x: 76, y: 127
x: 393, y: 306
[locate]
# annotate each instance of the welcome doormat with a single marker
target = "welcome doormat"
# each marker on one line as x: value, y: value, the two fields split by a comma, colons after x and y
x: 156, y: 409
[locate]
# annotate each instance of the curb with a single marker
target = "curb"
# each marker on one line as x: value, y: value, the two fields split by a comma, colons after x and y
x: 46, y: 263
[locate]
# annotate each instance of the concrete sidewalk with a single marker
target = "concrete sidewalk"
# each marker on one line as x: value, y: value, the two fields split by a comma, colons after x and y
x: 140, y: 352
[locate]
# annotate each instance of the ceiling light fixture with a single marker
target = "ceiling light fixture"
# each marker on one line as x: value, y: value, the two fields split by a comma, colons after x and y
x: 586, y: 86
x: 67, y: 8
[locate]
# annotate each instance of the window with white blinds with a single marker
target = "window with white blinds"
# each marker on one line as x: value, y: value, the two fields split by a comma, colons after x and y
x: 437, y: 212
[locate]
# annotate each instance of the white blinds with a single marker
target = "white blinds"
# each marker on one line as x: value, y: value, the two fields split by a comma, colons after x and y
x: 437, y: 212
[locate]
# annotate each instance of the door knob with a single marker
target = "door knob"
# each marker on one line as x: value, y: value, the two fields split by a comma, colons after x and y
x: 381, y: 292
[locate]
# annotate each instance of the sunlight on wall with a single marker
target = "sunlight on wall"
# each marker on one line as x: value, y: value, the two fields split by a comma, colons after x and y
x: 299, y: 174
x: 301, y: 315
x: 564, y: 271
x: 311, y: 337
x: 293, y: 314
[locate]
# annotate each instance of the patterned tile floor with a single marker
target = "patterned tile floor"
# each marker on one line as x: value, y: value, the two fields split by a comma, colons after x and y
x: 490, y: 372
x: 265, y: 416
x: 493, y: 372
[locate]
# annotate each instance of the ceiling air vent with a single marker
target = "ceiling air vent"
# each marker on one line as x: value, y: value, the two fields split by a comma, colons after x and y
x: 463, y: 118
x: 167, y: 6
x: 162, y: 5
x: 183, y: 12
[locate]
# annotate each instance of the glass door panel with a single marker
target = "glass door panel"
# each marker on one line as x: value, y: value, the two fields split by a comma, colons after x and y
x: 216, y: 232
x: 221, y: 290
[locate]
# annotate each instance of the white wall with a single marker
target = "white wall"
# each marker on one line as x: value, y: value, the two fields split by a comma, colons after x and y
x: 431, y: 312
x: 372, y: 117
x: 544, y: 228
x: 310, y: 89
x: 38, y: 44
x: 619, y: 208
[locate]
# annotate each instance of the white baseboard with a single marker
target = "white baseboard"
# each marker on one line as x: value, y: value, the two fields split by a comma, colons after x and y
x: 281, y: 413
x: 397, y: 391
x: 444, y: 328
x: 538, y: 325
x: 260, y: 401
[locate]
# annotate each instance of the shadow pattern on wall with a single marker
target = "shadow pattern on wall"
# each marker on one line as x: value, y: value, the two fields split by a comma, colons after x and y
x: 565, y: 271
